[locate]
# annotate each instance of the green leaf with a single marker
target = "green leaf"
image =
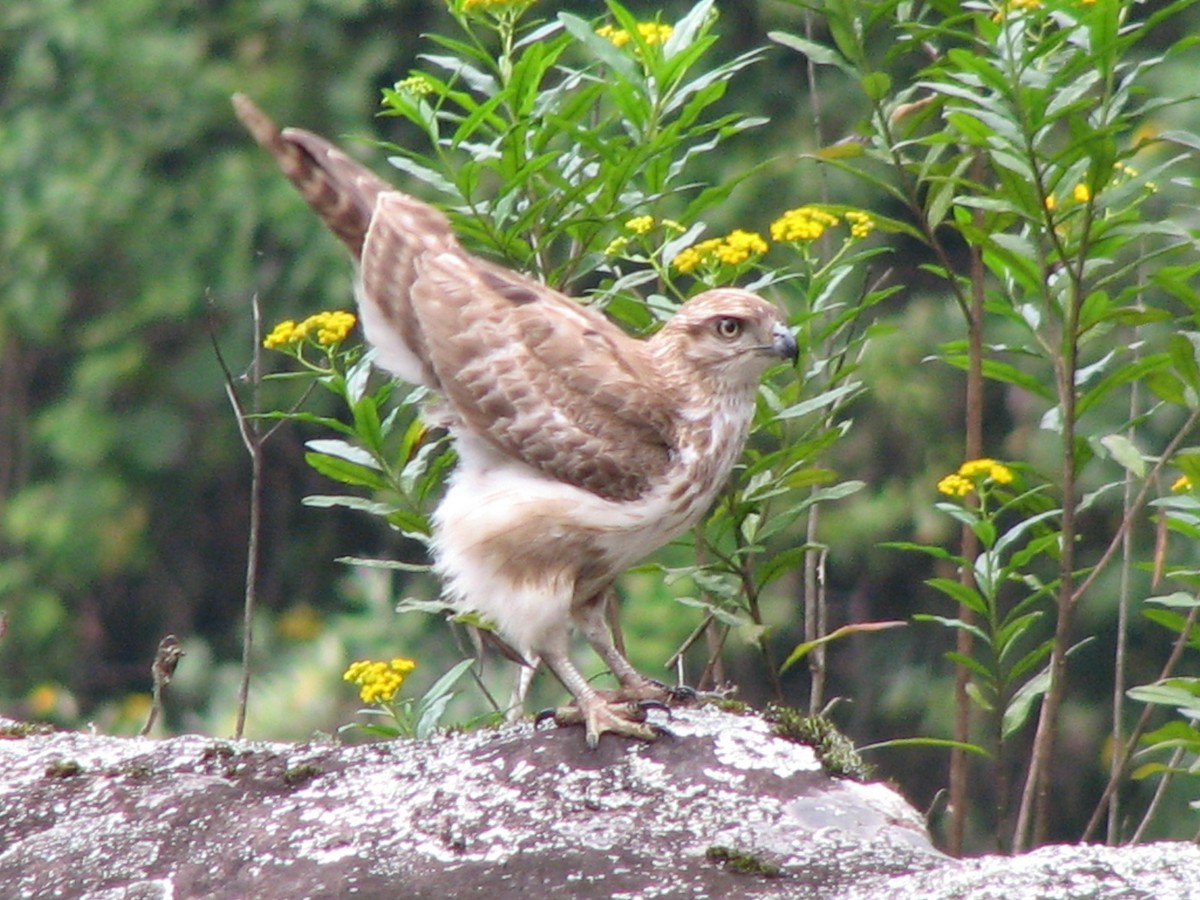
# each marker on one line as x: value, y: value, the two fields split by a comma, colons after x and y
x: 818, y: 53
x: 960, y: 593
x: 1177, y: 600
x: 876, y: 85
x: 1016, y: 714
x: 344, y: 450
x: 943, y: 743
x: 391, y: 564
x: 433, y: 704
x: 613, y: 57
x: 959, y: 624
x: 803, y: 649
x: 346, y: 472
x: 976, y: 694
x: 324, y: 501
x: 1181, y: 693
x: 1183, y: 358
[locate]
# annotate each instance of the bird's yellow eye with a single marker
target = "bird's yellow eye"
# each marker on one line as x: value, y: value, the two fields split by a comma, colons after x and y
x: 729, y: 327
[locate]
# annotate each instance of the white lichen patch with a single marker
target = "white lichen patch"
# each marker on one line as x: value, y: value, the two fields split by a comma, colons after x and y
x: 520, y: 770
x: 498, y: 807
x: 723, y: 776
x: 756, y: 748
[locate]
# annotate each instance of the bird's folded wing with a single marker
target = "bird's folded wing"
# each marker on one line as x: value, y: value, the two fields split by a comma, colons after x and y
x: 544, y: 379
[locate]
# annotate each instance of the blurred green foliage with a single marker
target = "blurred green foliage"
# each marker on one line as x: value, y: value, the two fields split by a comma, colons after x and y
x: 136, y: 218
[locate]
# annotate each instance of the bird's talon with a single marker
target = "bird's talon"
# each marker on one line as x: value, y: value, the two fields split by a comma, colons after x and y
x: 681, y: 693
x: 645, y: 705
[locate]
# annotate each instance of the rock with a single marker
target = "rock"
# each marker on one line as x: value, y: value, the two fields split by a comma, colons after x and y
x: 721, y: 808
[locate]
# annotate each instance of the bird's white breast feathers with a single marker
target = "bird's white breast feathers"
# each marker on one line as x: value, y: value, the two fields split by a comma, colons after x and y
x: 521, y: 548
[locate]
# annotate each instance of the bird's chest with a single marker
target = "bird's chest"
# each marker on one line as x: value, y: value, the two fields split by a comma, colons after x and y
x: 711, y: 447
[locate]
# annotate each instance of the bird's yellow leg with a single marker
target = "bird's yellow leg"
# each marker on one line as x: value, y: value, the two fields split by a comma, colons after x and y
x: 635, y: 686
x: 597, y: 713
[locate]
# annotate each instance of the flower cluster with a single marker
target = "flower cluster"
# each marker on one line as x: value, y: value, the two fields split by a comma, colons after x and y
x: 972, y: 473
x: 417, y: 85
x: 378, y: 681
x: 640, y: 226
x: 651, y: 33
x: 861, y: 223
x: 324, y: 328
x: 1013, y: 7
x: 807, y: 223
x: 732, y: 250
x: 491, y: 4
x: 1081, y: 193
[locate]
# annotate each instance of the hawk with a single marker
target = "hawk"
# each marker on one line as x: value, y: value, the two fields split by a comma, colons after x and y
x: 580, y: 448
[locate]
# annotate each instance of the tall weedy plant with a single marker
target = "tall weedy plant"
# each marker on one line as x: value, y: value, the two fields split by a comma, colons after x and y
x: 1023, y: 131
x: 580, y: 151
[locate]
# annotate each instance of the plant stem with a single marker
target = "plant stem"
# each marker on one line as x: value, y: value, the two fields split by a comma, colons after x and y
x: 969, y: 543
x: 1181, y: 641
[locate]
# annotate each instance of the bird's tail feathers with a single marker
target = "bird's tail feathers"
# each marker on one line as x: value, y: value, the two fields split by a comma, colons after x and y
x: 341, y: 191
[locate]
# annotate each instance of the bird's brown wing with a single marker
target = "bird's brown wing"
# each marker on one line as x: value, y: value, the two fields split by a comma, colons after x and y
x: 535, y: 374
x: 543, y: 379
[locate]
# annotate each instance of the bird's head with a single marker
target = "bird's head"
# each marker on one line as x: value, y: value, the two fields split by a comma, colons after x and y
x: 728, y: 335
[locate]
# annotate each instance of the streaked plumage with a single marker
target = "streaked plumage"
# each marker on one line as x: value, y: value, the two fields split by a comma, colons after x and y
x: 581, y: 449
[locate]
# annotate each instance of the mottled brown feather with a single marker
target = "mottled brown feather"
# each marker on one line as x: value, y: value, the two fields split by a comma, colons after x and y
x: 547, y: 382
x: 541, y: 378
x: 340, y: 190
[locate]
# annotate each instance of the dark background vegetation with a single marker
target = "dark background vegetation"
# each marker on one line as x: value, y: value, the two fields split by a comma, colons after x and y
x: 136, y: 218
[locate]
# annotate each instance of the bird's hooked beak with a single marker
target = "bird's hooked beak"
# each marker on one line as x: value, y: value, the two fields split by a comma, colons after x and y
x: 784, y: 344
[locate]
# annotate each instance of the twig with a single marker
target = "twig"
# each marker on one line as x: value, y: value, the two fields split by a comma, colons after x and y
x: 712, y: 671
x: 162, y: 670
x: 477, y: 670
x: 1181, y: 642
x: 697, y: 633
x: 1159, y: 793
x: 250, y: 430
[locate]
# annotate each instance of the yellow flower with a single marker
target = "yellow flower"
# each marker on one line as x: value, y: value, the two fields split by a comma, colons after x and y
x: 43, y: 700
x: 654, y: 32
x: 954, y: 485
x: 1051, y: 203
x: 1123, y: 172
x: 378, y: 681
x: 415, y: 84
x: 332, y: 327
x: 1082, y: 193
x: 616, y: 246
x: 732, y: 250
x: 978, y: 469
x: 326, y: 328
x: 972, y: 473
x: 281, y: 334
x: 696, y: 255
x: 651, y: 33
x: 739, y: 246
x: 135, y: 706
x: 489, y: 4
x: 299, y: 623
x: 861, y: 223
x: 640, y: 224
x: 1182, y: 483
x: 1014, y: 6
x: 805, y: 223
